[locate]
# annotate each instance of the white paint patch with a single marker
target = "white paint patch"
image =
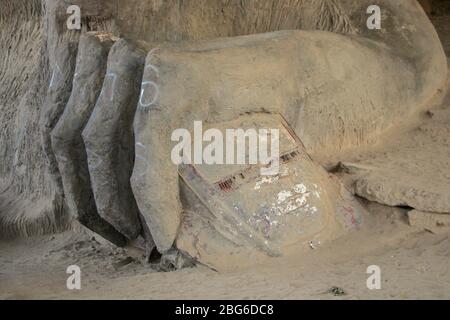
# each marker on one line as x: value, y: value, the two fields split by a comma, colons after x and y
x: 289, y: 201
x: 152, y: 83
x: 55, y: 73
x: 140, y: 145
x: 154, y: 97
x: 300, y: 188
x: 109, y: 85
x: 283, y: 196
x: 265, y: 180
x: 302, y: 199
x: 143, y: 169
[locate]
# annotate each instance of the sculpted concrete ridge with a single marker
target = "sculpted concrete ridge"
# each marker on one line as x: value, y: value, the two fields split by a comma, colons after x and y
x: 95, y: 109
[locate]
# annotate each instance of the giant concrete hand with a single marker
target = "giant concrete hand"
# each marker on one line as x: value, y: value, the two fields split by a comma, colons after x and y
x: 337, y: 84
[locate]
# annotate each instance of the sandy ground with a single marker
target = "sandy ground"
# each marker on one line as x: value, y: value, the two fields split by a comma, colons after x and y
x: 414, y: 265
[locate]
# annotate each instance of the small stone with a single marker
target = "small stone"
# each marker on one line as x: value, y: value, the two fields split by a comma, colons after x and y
x: 123, y: 263
x: 314, y: 244
x: 434, y: 222
x: 336, y: 291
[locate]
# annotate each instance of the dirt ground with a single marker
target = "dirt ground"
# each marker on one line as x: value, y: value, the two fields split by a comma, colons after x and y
x: 414, y: 262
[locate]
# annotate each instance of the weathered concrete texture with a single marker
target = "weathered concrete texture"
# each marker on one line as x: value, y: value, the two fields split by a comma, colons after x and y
x: 413, y: 169
x: 93, y: 9
x: 62, y: 51
x: 24, y: 78
x: 337, y: 214
x: 434, y: 222
x: 66, y: 138
x: 336, y: 91
x: 154, y: 172
x: 30, y: 201
x: 391, y: 188
x: 147, y: 237
x: 37, y: 50
x: 109, y: 139
x: 175, y: 20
